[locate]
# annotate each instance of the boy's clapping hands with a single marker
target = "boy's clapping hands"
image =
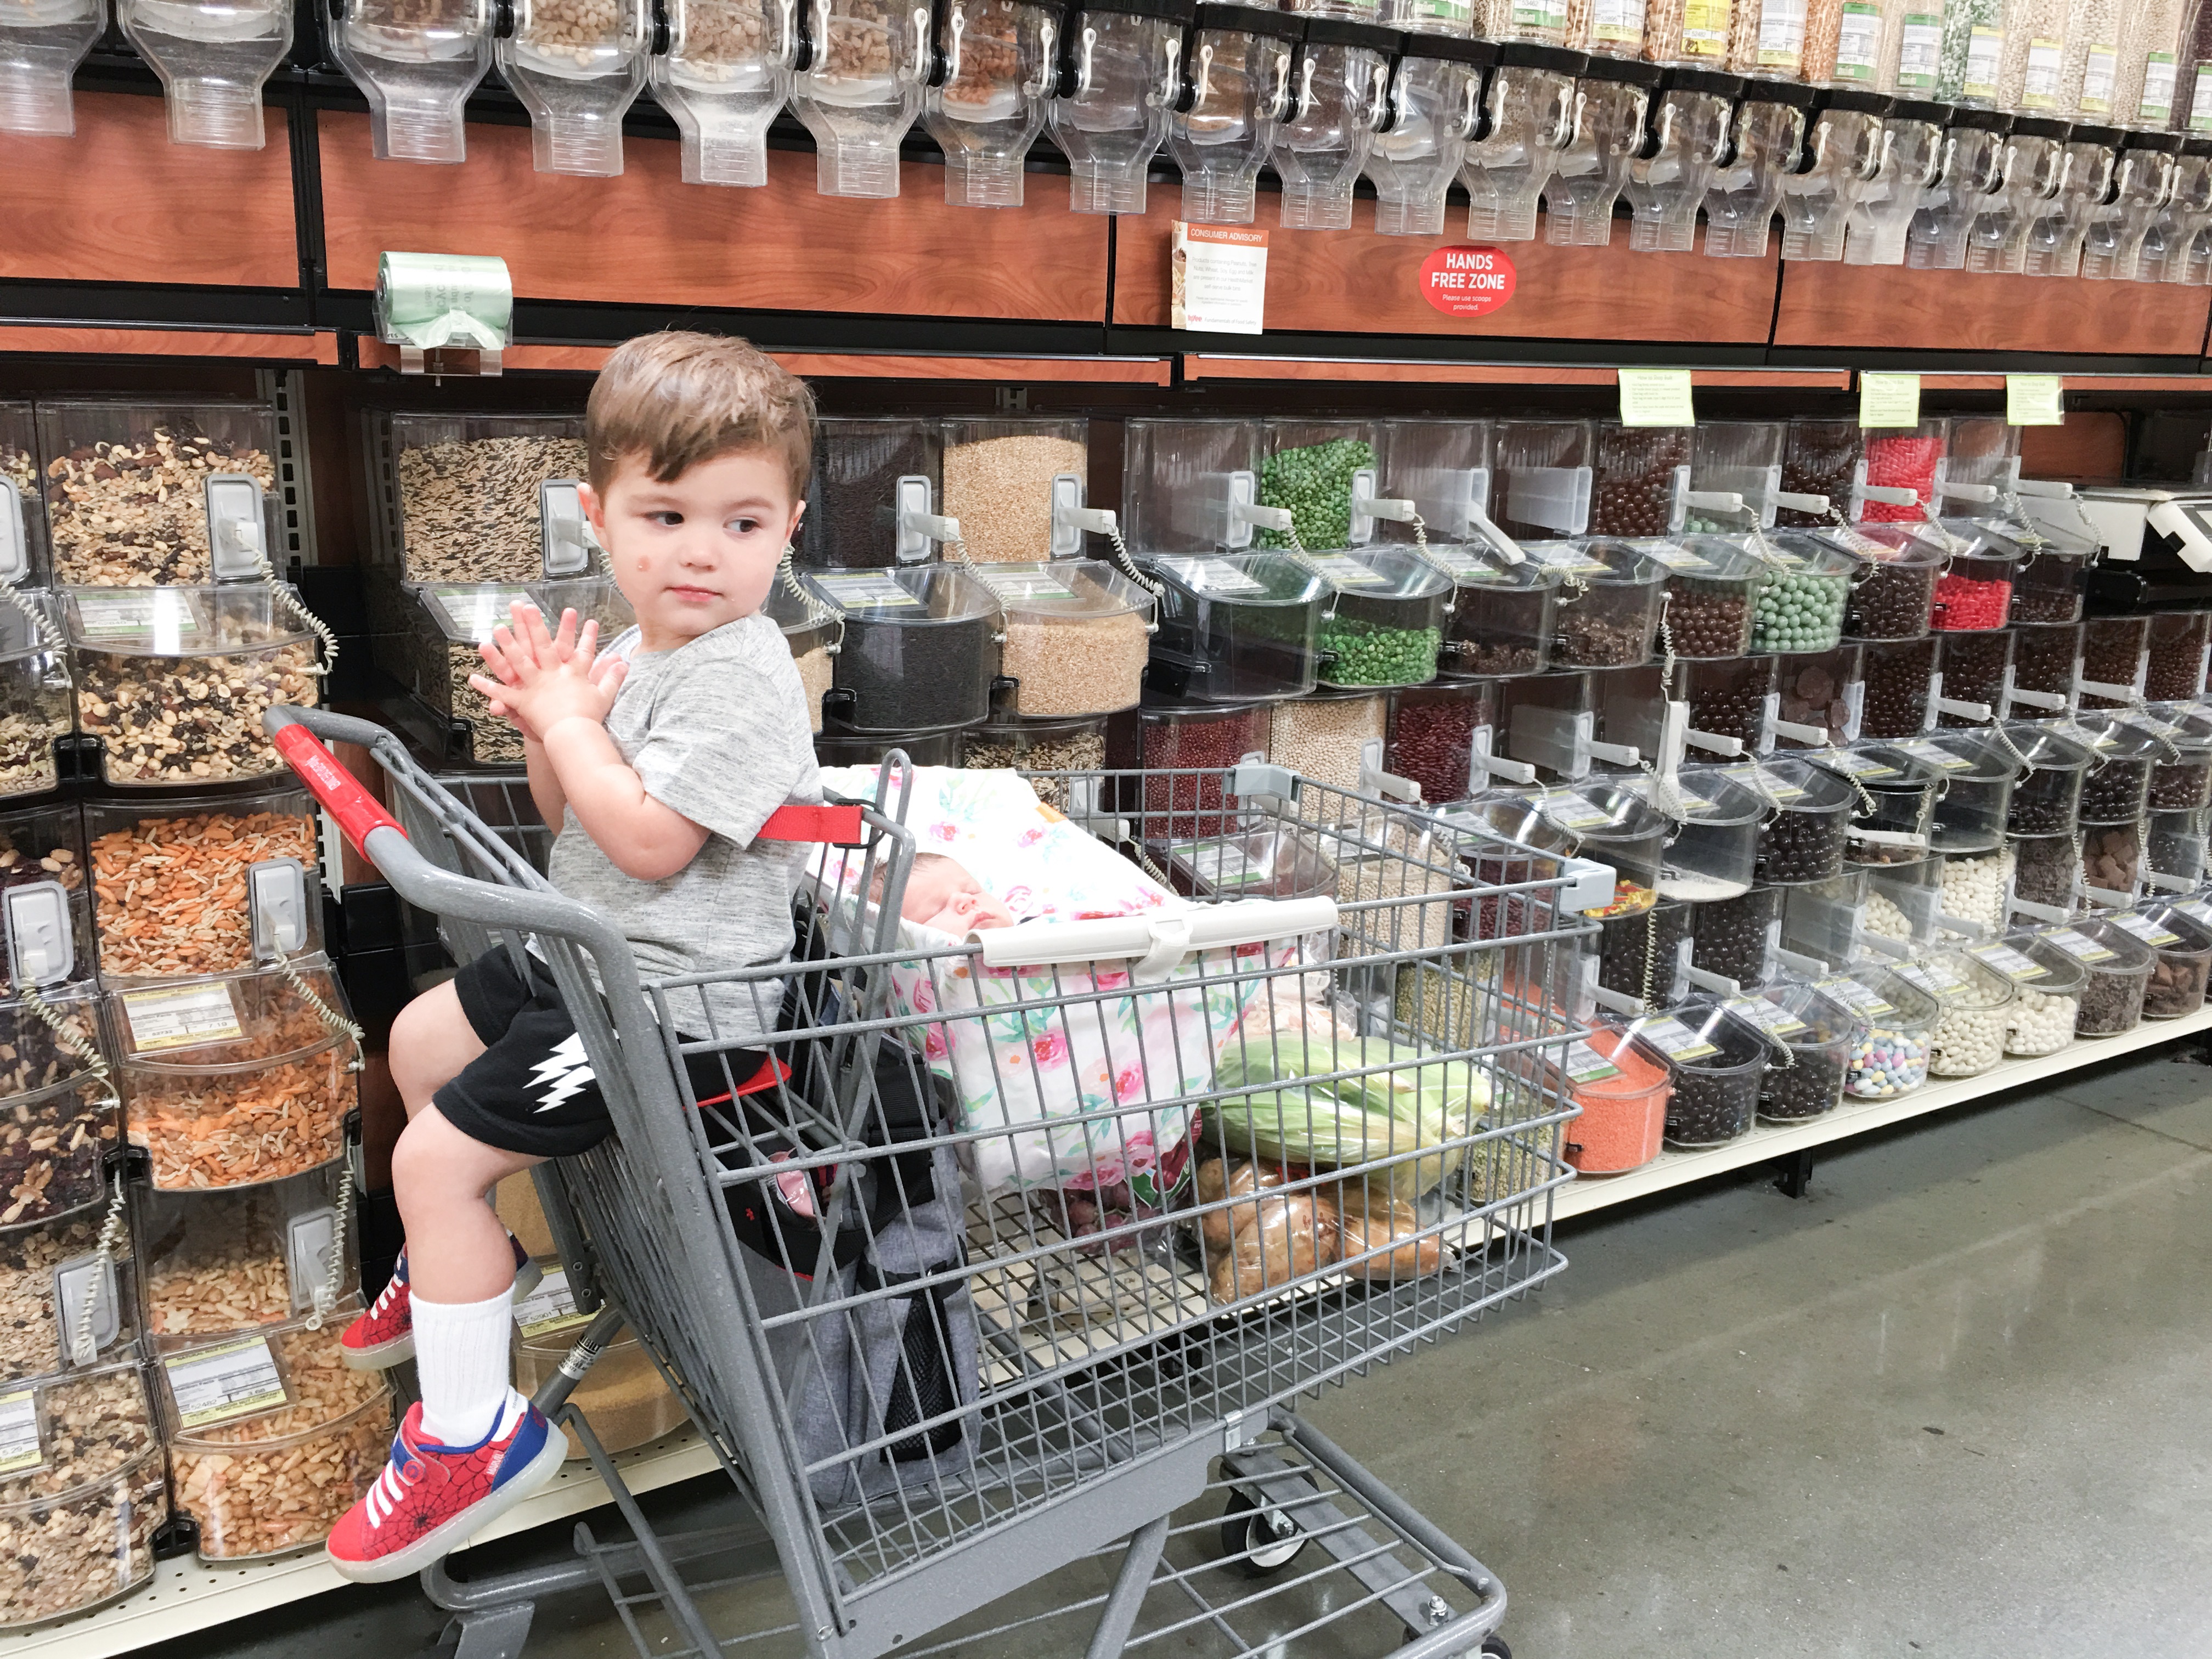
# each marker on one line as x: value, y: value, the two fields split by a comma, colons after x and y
x: 538, y: 678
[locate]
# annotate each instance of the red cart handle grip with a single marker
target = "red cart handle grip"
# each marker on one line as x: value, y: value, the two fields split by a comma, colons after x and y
x: 342, y: 794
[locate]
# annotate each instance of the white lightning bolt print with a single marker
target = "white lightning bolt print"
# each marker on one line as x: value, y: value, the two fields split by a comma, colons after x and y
x: 564, y: 1073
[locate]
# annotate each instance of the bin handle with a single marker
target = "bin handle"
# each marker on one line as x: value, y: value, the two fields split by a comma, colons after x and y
x: 343, y: 795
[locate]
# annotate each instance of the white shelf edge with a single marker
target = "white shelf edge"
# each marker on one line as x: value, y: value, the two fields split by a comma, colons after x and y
x: 1586, y: 1193
x: 187, y: 1595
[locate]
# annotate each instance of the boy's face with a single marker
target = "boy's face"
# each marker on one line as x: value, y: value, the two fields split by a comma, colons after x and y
x: 699, y: 550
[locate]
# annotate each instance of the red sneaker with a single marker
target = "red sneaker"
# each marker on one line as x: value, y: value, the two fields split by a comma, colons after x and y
x: 431, y: 1498
x: 385, y: 1335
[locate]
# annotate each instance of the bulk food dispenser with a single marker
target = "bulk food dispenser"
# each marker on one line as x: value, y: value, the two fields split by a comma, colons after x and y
x: 1531, y: 109
x: 1962, y: 189
x: 1766, y: 143
x: 577, y: 70
x: 1845, y: 149
x: 416, y: 64
x: 1544, y: 477
x: 1000, y: 62
x: 2035, y: 176
x: 1911, y: 160
x: 862, y: 91
x: 1442, y: 469
x: 2060, y: 226
x: 2168, y: 250
x: 2113, y: 247
x: 1434, y: 109
x: 1669, y: 178
x: 724, y: 77
x: 874, y: 498
x: 1588, y: 174
x: 1339, y: 93
x: 1236, y: 88
x: 212, y: 58
x: 1123, y: 70
x: 1016, y: 489
x: 41, y: 44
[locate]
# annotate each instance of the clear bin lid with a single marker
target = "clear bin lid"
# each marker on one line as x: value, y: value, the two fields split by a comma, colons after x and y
x: 2032, y: 963
x: 1604, y: 814
x: 276, y: 1383
x: 1711, y: 797
x: 1983, y: 539
x: 2169, y: 932
x: 1612, y: 1062
x: 2115, y: 737
x: 918, y: 596
x: 1710, y: 557
x: 1894, y: 545
x: 1702, y: 1036
x: 180, y: 622
x: 1605, y: 562
x: 801, y: 613
x: 1957, y: 980
x: 1074, y: 589
x: 1875, y: 996
x: 1964, y: 756
x: 1794, y: 1013
x: 2100, y: 947
x: 1480, y: 565
x: 240, y: 1022
x: 1272, y: 578
x: 2026, y: 541
x: 2187, y: 726
x: 467, y: 612
x: 2046, y: 750
x: 1800, y: 555
x: 1381, y: 572
x: 1794, y: 785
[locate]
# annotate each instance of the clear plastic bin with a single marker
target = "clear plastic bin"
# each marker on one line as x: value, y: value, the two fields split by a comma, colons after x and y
x: 1616, y: 826
x: 34, y: 702
x: 1115, y: 121
x: 1414, y: 165
x: 1904, y: 789
x: 1894, y: 596
x: 1308, y: 471
x: 1383, y: 622
x: 2112, y: 653
x: 855, y: 500
x: 174, y: 681
x: 1183, y: 482
x: 56, y: 1122
x: 1034, y: 746
x: 2150, y: 45
x: 2119, y: 968
x: 1714, y: 585
x: 1531, y: 105
x: 1975, y: 590
x: 232, y: 1260
x: 813, y: 631
x: 23, y: 499
x: 1905, y: 458
x: 1544, y: 478
x: 2183, y: 947
x: 2046, y: 583
x: 271, y: 1438
x: 1824, y: 693
x: 1819, y: 457
x: 1676, y: 33
x: 2046, y: 869
x: 1502, y: 620
x: 2047, y: 799
x: 471, y: 497
x: 2176, y: 653
x: 417, y: 66
x: 1822, y: 920
x: 2182, y: 778
x: 1077, y: 637
x: 1804, y: 839
x: 1221, y: 141
x: 1801, y: 605
x: 859, y: 95
x: 1197, y: 741
x: 577, y: 72
x: 1592, y: 166
x: 1612, y: 620
x: 2046, y: 661
x: 1976, y: 668
x: 173, y: 885
x: 1695, y: 128
x: 87, y: 1491
x: 1896, y: 1022
x: 1444, y: 468
x: 40, y: 46
x: 1975, y: 886
x: 1717, y: 1059
x: 2111, y: 860
x: 724, y: 79
x: 1234, y: 627
x: 1741, y: 458
x: 1011, y: 483
x: 1623, y: 1086
x: 43, y: 844
x: 919, y: 646
x: 1977, y: 1003
x: 1811, y: 1037
x: 46, y: 1274
x: 1901, y: 902
x: 1640, y: 476
x: 1325, y: 136
x: 1326, y: 736
x: 1735, y: 938
x: 1436, y: 732
x: 989, y: 110
x: 127, y: 490
x: 2047, y: 984
x: 623, y: 1396
x: 1728, y: 699
x: 2174, y: 847
x: 450, y: 620
x: 1767, y: 38
x: 232, y: 1081
x: 1715, y: 845
x: 1640, y: 950
x: 2117, y: 784
x: 1978, y: 775
x: 212, y: 59
x: 1974, y: 47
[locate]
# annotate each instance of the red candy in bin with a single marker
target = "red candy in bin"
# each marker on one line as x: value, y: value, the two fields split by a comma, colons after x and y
x: 1962, y: 602
x: 1904, y: 463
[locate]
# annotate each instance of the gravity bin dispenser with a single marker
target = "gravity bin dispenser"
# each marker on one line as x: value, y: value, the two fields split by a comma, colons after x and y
x: 1605, y: 133
x: 416, y: 64
x: 1120, y: 73
x: 1433, y: 110
x: 1531, y: 118
x: 1236, y: 91
x: 725, y: 76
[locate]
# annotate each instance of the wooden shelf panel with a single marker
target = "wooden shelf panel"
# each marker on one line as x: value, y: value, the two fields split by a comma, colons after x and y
x: 1354, y: 282
x: 301, y: 346
x: 1213, y: 366
x: 1888, y: 308
x: 118, y: 202
x: 826, y: 366
x: 646, y: 237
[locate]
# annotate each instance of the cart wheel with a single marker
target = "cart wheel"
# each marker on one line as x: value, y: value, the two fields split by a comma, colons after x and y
x: 1493, y: 1647
x: 1258, y: 1538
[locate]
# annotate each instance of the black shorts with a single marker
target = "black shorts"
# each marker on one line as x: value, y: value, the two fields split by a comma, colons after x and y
x: 532, y: 1091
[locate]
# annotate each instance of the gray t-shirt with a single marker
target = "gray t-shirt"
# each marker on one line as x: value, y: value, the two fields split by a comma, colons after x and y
x: 717, y: 730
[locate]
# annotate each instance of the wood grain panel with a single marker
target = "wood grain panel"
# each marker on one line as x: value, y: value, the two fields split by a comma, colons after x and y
x: 826, y: 365
x: 2075, y: 382
x: 1354, y: 282
x: 2088, y: 446
x: 1203, y: 366
x: 1890, y: 307
x: 649, y: 238
x: 118, y: 202
x: 301, y: 348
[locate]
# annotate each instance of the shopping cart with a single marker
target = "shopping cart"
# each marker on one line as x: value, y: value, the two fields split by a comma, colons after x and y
x: 990, y: 1408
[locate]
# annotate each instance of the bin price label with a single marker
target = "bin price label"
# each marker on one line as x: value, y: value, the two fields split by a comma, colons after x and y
x: 19, y: 1433
x: 1773, y: 785
x: 1342, y: 570
x: 1676, y: 1040
x: 852, y: 590
x: 2010, y: 963
x: 1922, y: 749
x: 217, y: 1385
x: 182, y: 1018
x: 2145, y: 929
x: 1773, y: 1019
x: 1861, y: 1000
x: 1213, y: 576
x: 2078, y: 946
x: 1938, y: 980
x: 1467, y: 280
x: 551, y: 1307
x: 1586, y: 1064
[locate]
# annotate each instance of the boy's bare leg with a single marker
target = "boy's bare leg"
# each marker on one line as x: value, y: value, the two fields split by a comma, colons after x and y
x: 457, y: 1249
x: 431, y: 1040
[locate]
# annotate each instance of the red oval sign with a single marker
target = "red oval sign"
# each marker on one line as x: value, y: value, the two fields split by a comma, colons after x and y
x: 1464, y: 281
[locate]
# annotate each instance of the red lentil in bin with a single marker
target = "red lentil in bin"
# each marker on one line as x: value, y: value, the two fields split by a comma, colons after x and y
x: 1201, y: 738
x: 1905, y: 462
x: 1433, y: 731
x: 1622, y: 1118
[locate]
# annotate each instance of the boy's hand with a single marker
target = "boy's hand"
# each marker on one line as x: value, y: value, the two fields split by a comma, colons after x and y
x: 541, y: 678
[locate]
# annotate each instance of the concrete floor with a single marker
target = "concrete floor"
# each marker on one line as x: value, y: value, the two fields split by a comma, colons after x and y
x: 1953, y: 1402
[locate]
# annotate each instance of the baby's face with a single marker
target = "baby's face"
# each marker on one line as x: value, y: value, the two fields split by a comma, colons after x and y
x: 945, y: 897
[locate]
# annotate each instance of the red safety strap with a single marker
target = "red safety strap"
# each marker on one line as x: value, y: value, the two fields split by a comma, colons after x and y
x: 348, y: 801
x: 839, y: 826
x: 772, y: 1072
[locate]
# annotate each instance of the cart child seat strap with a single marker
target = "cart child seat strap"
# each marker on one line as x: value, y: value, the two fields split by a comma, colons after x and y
x: 839, y: 826
x: 770, y: 1072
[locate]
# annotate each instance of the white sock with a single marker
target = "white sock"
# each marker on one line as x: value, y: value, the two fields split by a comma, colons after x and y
x: 464, y: 1357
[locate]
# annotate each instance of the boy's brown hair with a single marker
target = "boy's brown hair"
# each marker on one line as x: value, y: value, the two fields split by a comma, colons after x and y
x: 674, y: 400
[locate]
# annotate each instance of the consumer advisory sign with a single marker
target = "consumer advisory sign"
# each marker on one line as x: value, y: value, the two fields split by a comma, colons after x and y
x: 1218, y: 279
x: 1467, y: 280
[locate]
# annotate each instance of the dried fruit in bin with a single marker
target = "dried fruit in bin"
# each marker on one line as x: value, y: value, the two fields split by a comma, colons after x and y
x: 77, y: 1522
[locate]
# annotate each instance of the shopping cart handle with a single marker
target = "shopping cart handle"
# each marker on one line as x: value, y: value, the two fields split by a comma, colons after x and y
x: 343, y: 795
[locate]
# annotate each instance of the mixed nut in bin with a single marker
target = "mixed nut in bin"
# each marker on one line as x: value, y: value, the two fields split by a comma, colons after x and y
x: 234, y: 1081
x: 86, y: 1489
x: 34, y: 697
x: 468, y: 492
x: 233, y: 1258
x: 40, y: 1332
x: 174, y: 681
x: 126, y: 487
x: 57, y: 1120
x: 271, y: 1437
x: 172, y: 883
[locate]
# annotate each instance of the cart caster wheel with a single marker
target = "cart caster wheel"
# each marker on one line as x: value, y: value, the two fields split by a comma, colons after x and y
x: 1493, y: 1647
x: 1258, y: 1540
